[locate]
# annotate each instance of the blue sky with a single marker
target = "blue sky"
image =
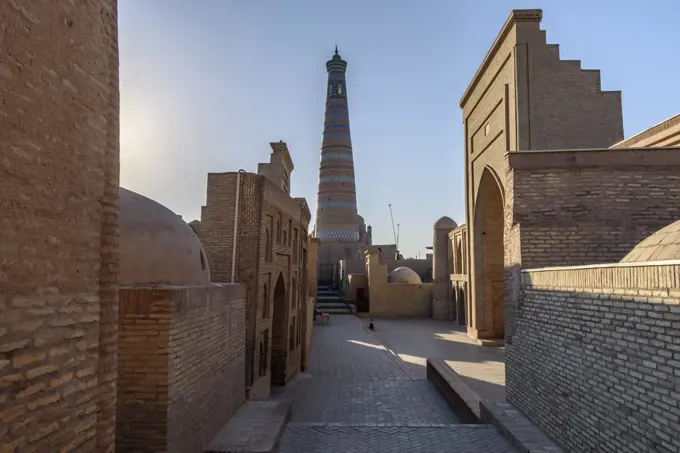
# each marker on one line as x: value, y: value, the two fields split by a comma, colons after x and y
x: 207, y: 84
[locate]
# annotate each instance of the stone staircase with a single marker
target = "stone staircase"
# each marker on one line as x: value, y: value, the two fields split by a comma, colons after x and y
x: 329, y: 301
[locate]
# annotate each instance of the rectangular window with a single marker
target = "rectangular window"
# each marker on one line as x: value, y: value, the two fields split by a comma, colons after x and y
x: 291, y: 335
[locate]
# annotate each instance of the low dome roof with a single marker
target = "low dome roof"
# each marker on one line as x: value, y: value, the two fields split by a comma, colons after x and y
x: 660, y: 246
x: 445, y: 223
x: 156, y: 246
x: 404, y: 275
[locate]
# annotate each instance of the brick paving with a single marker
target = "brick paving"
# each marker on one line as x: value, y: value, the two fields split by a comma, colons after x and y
x: 361, y: 397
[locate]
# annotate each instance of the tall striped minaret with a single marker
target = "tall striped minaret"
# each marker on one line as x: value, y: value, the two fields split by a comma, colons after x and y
x: 337, y: 219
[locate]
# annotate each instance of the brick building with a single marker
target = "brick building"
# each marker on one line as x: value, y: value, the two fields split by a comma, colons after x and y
x: 255, y: 233
x: 549, y: 262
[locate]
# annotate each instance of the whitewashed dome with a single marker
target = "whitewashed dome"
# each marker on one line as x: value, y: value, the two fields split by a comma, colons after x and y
x: 404, y: 275
x: 661, y: 246
x: 156, y: 246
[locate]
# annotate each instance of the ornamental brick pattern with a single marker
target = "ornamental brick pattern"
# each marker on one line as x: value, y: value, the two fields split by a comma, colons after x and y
x: 59, y: 235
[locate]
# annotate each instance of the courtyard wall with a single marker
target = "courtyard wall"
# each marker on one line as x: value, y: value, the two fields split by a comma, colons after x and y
x: 181, y: 365
x: 595, y: 357
x: 395, y: 300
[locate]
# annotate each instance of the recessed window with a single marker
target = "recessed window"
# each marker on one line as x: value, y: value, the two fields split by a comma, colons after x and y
x: 339, y: 89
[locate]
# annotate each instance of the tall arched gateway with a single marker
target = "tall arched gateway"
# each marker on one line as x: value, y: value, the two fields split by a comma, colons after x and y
x: 489, y: 309
x: 279, y: 333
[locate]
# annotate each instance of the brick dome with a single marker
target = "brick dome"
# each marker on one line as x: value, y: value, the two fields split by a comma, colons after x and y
x: 445, y: 223
x: 156, y: 246
x: 660, y: 246
x: 404, y: 275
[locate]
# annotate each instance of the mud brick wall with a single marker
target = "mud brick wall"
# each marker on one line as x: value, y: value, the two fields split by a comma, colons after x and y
x: 59, y: 149
x: 181, y: 366
x: 595, y: 360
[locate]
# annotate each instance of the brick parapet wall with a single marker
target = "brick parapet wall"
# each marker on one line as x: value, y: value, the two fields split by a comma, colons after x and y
x: 401, y: 300
x: 601, y: 344
x: 59, y: 235
x: 181, y: 365
x: 573, y: 210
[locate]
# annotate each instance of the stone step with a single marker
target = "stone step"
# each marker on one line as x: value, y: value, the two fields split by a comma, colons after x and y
x: 257, y: 426
x: 332, y: 305
x: 338, y: 311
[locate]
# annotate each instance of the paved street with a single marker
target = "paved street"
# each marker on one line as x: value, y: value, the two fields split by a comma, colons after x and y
x: 415, y: 340
x: 360, y: 397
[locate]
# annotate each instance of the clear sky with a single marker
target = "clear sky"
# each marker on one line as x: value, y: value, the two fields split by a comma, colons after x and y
x: 207, y: 84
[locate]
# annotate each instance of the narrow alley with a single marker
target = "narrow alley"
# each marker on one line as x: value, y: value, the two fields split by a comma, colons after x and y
x: 359, y: 397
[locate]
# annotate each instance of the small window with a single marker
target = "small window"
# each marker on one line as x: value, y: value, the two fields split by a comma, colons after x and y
x: 297, y: 337
x: 265, y: 303
x: 339, y: 89
x: 267, y: 246
x: 487, y: 128
x: 291, y: 336
x: 294, y: 293
x: 264, y: 345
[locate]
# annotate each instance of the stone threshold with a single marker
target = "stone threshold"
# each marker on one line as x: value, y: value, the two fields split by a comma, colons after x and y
x: 256, y: 427
x: 388, y: 425
x: 471, y: 408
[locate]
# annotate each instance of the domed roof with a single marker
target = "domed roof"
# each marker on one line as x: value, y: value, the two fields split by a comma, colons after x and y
x: 660, y: 246
x: 404, y: 275
x: 445, y: 223
x: 156, y: 246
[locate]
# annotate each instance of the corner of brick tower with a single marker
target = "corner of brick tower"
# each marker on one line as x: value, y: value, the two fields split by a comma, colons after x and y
x: 59, y: 136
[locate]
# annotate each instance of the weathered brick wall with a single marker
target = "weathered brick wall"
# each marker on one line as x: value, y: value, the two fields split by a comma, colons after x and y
x: 58, y: 240
x: 401, y: 300
x: 594, y: 361
x: 217, y: 224
x: 577, y: 208
x: 145, y: 321
x: 181, y: 365
x: 207, y: 354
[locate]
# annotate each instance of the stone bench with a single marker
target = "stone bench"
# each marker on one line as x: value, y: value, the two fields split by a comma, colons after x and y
x: 461, y: 398
x: 471, y: 408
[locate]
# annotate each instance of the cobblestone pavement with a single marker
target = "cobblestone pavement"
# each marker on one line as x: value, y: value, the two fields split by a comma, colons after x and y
x: 361, y: 398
